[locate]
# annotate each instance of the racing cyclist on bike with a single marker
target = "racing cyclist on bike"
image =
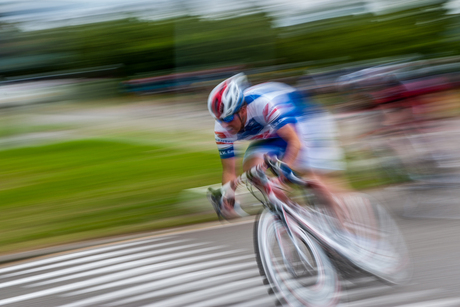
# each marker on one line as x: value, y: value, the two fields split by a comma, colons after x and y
x: 278, y: 121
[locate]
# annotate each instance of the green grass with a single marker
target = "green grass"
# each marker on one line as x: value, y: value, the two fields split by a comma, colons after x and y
x: 91, y: 188
x: 14, y: 130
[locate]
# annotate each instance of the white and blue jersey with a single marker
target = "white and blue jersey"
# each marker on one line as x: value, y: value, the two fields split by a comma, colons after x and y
x: 270, y: 106
x: 273, y: 105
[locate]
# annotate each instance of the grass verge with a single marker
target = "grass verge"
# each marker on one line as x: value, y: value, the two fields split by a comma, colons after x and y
x: 91, y: 188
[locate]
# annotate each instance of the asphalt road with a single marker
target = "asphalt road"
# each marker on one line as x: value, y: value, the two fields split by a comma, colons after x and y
x: 216, y: 267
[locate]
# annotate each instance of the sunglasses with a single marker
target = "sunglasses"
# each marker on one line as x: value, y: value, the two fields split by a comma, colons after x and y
x: 227, y: 119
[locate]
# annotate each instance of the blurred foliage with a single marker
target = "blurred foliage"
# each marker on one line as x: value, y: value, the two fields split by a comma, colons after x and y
x: 246, y: 39
x: 421, y: 30
x: 191, y: 42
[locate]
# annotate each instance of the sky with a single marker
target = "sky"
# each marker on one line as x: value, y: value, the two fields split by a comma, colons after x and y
x: 34, y: 15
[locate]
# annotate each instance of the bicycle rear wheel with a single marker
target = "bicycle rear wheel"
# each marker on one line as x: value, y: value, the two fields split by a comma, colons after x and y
x: 297, y: 269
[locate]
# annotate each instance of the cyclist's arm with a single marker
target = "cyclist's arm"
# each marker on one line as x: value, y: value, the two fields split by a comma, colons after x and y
x: 225, y: 143
x: 229, y: 170
x: 283, y: 123
x: 288, y: 133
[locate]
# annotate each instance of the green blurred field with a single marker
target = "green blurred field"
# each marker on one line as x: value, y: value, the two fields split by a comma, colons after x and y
x: 91, y: 188
x: 124, y: 175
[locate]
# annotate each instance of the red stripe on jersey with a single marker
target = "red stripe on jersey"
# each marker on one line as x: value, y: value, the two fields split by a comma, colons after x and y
x: 265, y: 111
x: 274, y: 110
x: 220, y: 135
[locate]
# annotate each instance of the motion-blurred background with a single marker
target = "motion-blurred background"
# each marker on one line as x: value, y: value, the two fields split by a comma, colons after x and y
x: 103, y: 119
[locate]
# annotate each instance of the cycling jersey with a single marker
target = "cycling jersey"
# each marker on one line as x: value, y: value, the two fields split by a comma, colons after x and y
x: 270, y: 106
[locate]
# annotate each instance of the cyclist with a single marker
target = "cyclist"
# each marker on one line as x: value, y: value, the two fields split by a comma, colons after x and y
x: 278, y: 121
x: 401, y: 101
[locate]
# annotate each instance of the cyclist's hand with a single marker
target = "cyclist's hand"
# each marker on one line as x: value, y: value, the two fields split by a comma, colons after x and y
x: 228, y: 201
x: 280, y: 168
x: 228, y: 194
x: 284, y: 172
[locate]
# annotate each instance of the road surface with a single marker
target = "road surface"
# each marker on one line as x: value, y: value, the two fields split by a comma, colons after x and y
x: 216, y: 267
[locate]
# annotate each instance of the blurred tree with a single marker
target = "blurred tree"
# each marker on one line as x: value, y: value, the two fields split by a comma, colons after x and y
x: 139, y: 45
x: 244, y: 39
x: 153, y: 47
x: 419, y: 30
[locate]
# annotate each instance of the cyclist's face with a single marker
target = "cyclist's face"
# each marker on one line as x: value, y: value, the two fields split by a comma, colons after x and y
x: 237, y: 124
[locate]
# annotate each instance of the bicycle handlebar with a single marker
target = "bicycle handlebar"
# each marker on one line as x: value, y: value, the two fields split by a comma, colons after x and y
x: 257, y: 177
x: 278, y: 168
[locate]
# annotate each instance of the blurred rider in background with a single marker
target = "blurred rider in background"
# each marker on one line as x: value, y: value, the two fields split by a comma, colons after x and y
x: 277, y: 120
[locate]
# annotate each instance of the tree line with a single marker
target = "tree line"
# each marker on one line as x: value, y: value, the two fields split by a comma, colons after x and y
x: 148, y: 48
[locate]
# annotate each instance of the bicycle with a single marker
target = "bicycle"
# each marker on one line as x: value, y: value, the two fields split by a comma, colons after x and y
x: 300, y: 248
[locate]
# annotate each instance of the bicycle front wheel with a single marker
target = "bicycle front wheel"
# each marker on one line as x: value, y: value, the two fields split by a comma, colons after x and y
x: 297, y: 269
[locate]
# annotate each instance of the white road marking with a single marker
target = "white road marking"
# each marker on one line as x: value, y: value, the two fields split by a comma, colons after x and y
x: 448, y: 302
x: 357, y: 281
x: 74, y: 255
x: 189, y: 282
x: 267, y: 300
x: 145, y: 264
x: 86, y: 283
x: 185, y: 299
x: 95, y: 258
x: 166, y: 273
x: 96, y: 264
x: 392, y: 299
x: 365, y: 292
x: 240, y: 296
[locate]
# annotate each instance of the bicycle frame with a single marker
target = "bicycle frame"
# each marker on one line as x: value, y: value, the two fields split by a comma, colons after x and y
x: 280, y: 209
x: 287, y: 213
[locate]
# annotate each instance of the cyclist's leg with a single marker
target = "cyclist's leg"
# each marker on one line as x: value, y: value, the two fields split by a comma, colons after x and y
x: 322, y: 160
x: 321, y: 154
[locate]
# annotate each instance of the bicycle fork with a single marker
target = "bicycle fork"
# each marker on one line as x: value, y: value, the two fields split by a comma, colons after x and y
x: 288, y: 255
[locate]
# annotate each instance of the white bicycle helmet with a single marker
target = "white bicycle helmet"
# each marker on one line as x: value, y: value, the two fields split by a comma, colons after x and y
x: 227, y: 97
